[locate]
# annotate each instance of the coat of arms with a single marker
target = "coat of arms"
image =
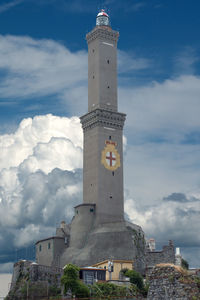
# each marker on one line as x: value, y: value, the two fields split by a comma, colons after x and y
x: 110, y: 157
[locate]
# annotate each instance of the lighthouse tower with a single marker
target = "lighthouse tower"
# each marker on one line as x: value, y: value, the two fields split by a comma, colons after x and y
x: 98, y: 230
x: 103, y: 126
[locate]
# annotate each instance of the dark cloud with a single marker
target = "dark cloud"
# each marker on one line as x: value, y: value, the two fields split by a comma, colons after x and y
x: 177, y: 197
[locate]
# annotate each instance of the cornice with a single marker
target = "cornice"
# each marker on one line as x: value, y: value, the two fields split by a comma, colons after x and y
x: 102, y: 32
x: 103, y: 118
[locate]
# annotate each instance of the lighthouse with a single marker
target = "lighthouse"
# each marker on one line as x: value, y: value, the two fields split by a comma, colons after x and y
x: 103, y: 126
x: 98, y: 230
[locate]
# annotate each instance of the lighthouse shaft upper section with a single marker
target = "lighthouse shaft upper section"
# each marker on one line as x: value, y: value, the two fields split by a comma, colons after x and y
x: 102, y: 68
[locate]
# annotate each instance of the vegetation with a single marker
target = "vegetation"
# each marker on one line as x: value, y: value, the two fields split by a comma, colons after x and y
x: 70, y: 281
x: 135, y: 278
x: 184, y: 264
x: 106, y: 289
x: 124, y: 270
x: 137, y: 281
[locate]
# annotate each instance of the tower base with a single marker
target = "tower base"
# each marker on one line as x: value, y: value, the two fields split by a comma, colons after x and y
x: 119, y: 240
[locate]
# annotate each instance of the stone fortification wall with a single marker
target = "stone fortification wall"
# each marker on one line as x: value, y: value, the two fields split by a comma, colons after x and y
x: 168, y: 281
x: 29, y: 271
x: 166, y: 255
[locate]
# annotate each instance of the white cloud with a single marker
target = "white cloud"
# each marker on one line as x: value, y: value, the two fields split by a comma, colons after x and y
x: 38, y: 163
x: 155, y: 170
x: 38, y: 67
x: 130, y: 62
x: 169, y: 220
x: 185, y: 61
x: 36, y: 135
x: 40, y: 189
x: 40, y: 178
x: 166, y: 111
x: 8, y: 5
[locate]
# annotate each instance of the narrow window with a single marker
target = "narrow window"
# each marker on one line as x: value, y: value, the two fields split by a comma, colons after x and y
x: 93, y: 76
x: 110, y: 197
x: 49, y: 245
x: 91, y: 209
x: 108, y: 61
x: 77, y: 211
x: 108, y: 87
x: 110, y: 137
x: 40, y: 247
x: 93, y: 50
x: 113, y: 173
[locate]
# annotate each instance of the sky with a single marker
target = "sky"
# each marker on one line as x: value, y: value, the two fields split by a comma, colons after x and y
x: 43, y: 92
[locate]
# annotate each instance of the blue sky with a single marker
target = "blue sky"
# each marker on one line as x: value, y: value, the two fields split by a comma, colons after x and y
x: 43, y: 89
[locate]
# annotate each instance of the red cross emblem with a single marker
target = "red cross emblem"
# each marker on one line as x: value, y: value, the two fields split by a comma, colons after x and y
x: 111, y: 159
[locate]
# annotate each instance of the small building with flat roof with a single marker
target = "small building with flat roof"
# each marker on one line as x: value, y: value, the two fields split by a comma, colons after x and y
x: 117, y: 265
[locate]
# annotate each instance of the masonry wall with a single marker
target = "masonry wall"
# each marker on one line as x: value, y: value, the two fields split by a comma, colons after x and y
x: 166, y: 255
x: 33, y: 272
x: 172, y: 282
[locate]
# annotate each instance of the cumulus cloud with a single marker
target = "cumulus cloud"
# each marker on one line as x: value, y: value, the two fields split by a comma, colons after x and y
x: 40, y: 179
x: 34, y: 136
x: 170, y: 220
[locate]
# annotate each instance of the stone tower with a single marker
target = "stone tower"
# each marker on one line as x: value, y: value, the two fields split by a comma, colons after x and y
x: 98, y: 230
x: 103, y: 126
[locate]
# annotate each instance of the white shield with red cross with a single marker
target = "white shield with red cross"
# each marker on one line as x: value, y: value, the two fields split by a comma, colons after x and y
x: 110, y: 157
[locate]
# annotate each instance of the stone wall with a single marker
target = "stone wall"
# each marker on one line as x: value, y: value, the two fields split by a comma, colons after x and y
x: 166, y: 255
x: 29, y: 271
x: 168, y: 281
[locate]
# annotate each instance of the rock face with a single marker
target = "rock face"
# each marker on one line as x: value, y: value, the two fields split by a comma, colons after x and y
x: 168, y: 281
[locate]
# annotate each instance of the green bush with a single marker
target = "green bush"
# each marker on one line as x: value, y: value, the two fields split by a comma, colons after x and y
x: 124, y: 270
x: 135, y: 278
x: 82, y: 291
x: 70, y: 281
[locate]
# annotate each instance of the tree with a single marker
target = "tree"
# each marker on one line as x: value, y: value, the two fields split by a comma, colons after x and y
x: 70, y: 281
x: 184, y: 264
x: 135, y: 278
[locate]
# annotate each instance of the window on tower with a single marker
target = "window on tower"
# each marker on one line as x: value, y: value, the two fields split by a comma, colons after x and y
x: 108, y: 61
